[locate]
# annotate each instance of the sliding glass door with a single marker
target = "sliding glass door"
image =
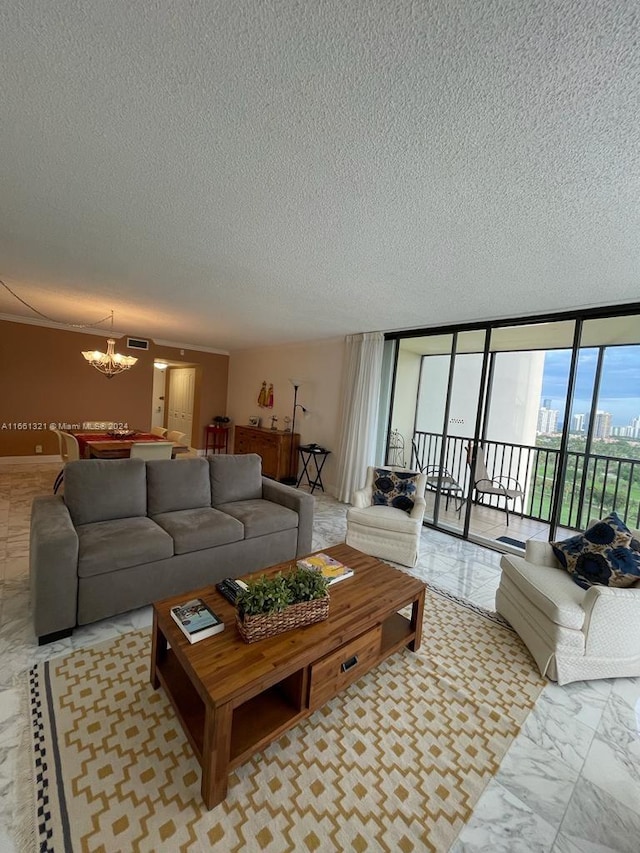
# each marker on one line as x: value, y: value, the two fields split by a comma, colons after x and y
x: 552, y: 408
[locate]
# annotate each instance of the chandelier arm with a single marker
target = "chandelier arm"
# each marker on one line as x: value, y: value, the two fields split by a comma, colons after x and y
x: 52, y: 319
x: 110, y: 363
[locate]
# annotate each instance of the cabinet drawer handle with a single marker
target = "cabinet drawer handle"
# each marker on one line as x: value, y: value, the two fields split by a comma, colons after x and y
x: 348, y: 664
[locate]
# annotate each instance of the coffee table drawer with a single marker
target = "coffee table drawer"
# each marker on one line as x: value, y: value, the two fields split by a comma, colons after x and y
x: 334, y: 672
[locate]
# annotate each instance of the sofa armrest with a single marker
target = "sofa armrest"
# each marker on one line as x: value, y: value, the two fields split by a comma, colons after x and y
x: 299, y: 502
x: 612, y: 622
x: 540, y: 553
x: 361, y: 498
x: 53, y: 566
x: 419, y: 506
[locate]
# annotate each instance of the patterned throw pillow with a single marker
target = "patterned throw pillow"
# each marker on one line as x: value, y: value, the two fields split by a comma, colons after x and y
x: 394, y: 488
x: 605, y: 554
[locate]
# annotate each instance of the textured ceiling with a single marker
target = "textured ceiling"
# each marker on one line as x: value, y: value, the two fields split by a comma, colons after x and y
x: 246, y: 172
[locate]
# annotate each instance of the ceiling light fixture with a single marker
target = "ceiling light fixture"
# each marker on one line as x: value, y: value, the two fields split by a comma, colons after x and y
x: 160, y: 365
x: 110, y: 363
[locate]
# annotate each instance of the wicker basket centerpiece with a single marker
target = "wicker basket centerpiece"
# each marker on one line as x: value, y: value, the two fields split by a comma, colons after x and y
x: 272, y: 605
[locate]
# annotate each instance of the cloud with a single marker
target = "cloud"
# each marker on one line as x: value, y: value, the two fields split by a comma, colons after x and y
x: 619, y: 383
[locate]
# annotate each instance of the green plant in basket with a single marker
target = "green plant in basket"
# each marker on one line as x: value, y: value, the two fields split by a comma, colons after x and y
x: 264, y: 595
x: 274, y: 594
x: 306, y: 584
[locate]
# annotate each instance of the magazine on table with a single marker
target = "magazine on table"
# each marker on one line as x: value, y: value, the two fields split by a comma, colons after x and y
x: 196, y: 620
x: 331, y: 568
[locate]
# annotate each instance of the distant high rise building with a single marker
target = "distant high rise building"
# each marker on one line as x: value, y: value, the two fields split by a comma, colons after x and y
x: 577, y: 423
x: 546, y: 403
x: 602, y: 425
x: 634, y: 426
x: 547, y: 421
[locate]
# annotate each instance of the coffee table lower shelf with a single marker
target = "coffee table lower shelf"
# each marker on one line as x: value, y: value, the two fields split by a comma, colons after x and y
x: 256, y: 722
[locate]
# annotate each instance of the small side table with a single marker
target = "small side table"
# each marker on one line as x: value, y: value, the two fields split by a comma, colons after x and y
x: 319, y: 455
x: 216, y: 438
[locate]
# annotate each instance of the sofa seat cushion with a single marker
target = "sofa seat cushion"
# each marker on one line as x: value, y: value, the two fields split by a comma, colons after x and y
x: 261, y: 517
x: 106, y: 546
x: 386, y: 517
x: 551, y: 591
x: 197, y: 529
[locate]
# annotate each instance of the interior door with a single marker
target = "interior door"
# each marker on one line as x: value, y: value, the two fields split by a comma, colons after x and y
x: 181, y: 394
x: 157, y: 411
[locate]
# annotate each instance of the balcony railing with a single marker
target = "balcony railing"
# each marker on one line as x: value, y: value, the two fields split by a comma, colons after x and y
x: 594, y: 484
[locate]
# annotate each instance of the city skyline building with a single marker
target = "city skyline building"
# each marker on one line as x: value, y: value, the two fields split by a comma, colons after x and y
x: 547, y: 421
x: 577, y: 423
x: 602, y: 424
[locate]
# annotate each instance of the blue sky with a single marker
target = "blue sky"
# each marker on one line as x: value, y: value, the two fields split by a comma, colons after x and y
x: 619, y: 386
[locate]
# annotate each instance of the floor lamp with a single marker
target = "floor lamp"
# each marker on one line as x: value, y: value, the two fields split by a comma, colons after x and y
x: 293, y: 480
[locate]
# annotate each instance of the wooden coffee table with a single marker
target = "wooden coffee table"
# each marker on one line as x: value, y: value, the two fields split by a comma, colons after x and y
x: 233, y: 698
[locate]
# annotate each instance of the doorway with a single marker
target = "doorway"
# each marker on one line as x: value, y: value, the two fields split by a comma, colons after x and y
x: 159, y: 385
x: 174, y: 396
x: 182, y: 381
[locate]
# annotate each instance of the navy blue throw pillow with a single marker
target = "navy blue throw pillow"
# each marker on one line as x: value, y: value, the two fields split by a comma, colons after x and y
x: 606, y: 554
x: 394, y: 488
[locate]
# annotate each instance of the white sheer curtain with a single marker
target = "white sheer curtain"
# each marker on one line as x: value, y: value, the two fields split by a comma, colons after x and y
x: 361, y: 393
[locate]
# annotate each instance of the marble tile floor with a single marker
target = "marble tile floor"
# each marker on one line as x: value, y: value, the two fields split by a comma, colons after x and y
x: 570, y: 782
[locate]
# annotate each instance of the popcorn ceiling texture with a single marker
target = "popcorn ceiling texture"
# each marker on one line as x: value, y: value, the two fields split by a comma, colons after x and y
x: 234, y: 173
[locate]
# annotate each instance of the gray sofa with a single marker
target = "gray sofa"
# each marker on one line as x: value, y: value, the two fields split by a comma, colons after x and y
x: 129, y: 532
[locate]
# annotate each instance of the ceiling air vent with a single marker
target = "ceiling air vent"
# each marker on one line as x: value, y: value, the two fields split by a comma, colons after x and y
x: 136, y: 343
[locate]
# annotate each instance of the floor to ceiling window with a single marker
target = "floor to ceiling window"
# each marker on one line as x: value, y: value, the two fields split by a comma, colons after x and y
x: 547, y: 409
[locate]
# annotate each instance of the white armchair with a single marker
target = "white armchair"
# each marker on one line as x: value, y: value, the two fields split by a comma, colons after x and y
x: 572, y: 633
x: 385, y: 531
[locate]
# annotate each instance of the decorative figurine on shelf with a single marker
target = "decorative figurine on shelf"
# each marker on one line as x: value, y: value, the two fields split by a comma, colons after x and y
x: 274, y: 422
x: 287, y: 423
x: 269, y: 403
x: 262, y: 396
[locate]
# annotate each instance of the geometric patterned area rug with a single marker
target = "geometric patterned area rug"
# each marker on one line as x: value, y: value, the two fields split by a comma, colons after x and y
x: 396, y: 762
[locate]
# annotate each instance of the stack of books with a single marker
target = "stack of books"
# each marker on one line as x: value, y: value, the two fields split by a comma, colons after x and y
x: 196, y: 620
x: 331, y: 569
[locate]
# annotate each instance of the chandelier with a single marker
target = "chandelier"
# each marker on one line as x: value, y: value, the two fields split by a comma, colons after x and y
x: 110, y: 362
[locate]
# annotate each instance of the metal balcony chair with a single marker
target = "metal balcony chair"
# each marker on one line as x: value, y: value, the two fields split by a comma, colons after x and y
x: 440, y: 480
x: 498, y: 487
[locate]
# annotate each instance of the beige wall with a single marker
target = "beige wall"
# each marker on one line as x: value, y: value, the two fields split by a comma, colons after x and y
x: 318, y: 365
x: 44, y: 379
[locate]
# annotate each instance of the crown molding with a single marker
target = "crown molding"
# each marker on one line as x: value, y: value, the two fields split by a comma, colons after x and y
x: 29, y: 321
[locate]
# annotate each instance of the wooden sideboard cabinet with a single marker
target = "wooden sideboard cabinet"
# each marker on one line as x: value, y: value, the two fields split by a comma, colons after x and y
x: 273, y: 445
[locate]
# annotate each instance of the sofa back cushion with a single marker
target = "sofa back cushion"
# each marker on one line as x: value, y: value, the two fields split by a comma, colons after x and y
x: 235, y: 477
x: 175, y: 484
x: 104, y: 489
